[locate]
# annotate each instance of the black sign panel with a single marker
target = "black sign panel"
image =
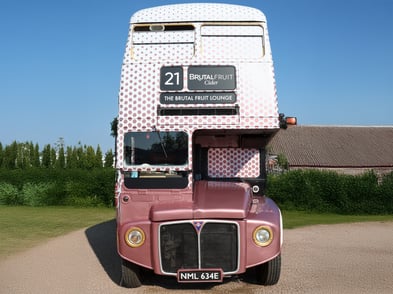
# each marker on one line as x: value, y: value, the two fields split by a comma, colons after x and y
x: 211, y: 78
x: 211, y: 275
x: 198, y: 98
x: 171, y: 78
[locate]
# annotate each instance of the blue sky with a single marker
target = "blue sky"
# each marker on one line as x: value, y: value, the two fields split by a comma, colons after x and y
x: 60, y: 64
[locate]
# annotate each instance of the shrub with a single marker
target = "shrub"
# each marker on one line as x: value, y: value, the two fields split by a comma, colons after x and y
x: 324, y: 191
x: 9, y: 194
x: 385, y: 193
x: 58, y: 186
x: 36, y: 194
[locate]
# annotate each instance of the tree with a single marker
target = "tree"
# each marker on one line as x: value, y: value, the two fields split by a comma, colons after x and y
x: 53, y: 157
x: 71, y: 158
x: 108, y: 158
x: 36, y: 156
x: 60, y: 163
x: 114, y: 125
x: 10, y: 155
x: 22, y: 155
x: 114, y: 128
x: 1, y: 155
x: 80, y: 155
x: 98, y: 161
x: 46, y: 156
x: 90, y: 158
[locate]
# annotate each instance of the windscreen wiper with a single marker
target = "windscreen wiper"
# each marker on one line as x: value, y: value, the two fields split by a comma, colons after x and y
x: 161, y: 142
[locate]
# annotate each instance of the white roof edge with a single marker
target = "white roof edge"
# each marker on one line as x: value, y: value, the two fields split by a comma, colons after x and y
x: 196, y: 12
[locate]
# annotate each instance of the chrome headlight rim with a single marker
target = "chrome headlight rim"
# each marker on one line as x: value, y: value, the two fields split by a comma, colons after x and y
x: 136, y: 232
x: 268, y: 241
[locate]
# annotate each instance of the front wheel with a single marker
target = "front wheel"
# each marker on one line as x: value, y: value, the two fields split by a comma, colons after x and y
x: 269, y: 273
x: 130, y: 275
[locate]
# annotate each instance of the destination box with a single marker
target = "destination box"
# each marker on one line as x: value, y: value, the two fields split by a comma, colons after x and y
x: 198, y: 98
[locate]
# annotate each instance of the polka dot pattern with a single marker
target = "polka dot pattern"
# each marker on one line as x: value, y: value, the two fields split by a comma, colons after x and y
x: 197, y: 12
x: 233, y: 163
x: 139, y: 95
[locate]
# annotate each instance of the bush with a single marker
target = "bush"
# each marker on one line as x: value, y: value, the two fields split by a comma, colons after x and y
x: 324, y: 191
x: 385, y: 193
x: 37, y: 186
x: 36, y: 194
x: 9, y: 194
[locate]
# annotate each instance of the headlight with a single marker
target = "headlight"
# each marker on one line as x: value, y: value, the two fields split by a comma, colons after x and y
x: 263, y: 236
x: 134, y: 237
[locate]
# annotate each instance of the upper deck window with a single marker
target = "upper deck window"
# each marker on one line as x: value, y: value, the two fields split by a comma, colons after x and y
x: 232, y: 41
x: 162, y: 41
x: 156, y: 148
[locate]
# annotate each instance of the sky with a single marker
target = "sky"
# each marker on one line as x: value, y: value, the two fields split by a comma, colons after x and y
x: 60, y: 64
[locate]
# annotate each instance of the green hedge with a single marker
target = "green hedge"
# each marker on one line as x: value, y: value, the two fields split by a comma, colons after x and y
x: 38, y: 187
x: 324, y: 191
x: 308, y: 190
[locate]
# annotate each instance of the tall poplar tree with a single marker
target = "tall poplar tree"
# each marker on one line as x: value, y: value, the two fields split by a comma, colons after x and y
x: 46, y: 156
x: 108, y: 158
x: 1, y: 155
x: 98, y: 157
x: 36, y: 156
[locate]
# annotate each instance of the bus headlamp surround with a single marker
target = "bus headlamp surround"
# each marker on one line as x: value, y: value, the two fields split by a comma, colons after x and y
x: 134, y: 237
x: 263, y: 236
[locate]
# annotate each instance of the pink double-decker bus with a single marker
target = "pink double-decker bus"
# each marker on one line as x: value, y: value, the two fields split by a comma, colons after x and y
x: 197, y: 107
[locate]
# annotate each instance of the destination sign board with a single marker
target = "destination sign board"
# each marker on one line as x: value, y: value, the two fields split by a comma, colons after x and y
x: 211, y: 78
x: 198, y: 98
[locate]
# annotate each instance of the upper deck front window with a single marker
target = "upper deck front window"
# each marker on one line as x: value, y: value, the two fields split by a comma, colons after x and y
x: 163, y: 41
x: 229, y: 41
x: 156, y: 148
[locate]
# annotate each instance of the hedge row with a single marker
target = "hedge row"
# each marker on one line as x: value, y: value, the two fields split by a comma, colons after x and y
x: 39, y: 187
x: 323, y: 191
x: 307, y: 190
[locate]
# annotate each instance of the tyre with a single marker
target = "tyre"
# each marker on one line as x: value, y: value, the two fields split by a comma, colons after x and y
x: 130, y: 275
x: 269, y: 272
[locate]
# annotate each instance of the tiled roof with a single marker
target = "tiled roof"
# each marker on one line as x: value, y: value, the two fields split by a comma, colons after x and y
x: 335, y: 146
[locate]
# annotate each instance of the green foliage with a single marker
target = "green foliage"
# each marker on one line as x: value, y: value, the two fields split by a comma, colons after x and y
x: 58, y: 175
x: 9, y: 194
x: 27, y: 155
x: 324, y: 191
x: 37, y: 194
x: 37, y: 187
x: 108, y: 162
x: 282, y: 161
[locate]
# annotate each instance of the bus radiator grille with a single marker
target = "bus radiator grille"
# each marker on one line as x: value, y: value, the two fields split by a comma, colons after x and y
x: 184, y: 245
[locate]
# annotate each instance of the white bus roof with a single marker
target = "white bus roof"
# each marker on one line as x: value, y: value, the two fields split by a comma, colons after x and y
x: 197, y: 12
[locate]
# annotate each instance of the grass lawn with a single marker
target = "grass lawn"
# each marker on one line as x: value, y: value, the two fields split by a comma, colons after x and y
x: 23, y: 227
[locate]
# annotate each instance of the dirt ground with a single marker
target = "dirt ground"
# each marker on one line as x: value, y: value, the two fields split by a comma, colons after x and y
x: 346, y: 258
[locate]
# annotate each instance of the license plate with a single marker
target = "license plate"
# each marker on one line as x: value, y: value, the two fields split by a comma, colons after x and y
x: 197, y: 276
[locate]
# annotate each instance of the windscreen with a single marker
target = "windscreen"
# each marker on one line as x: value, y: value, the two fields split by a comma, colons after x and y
x: 156, y: 148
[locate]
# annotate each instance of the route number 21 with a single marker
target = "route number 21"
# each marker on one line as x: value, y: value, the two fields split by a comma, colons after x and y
x: 171, y: 78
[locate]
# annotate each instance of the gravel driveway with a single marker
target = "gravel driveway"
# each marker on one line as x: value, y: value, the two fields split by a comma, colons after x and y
x: 347, y: 258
